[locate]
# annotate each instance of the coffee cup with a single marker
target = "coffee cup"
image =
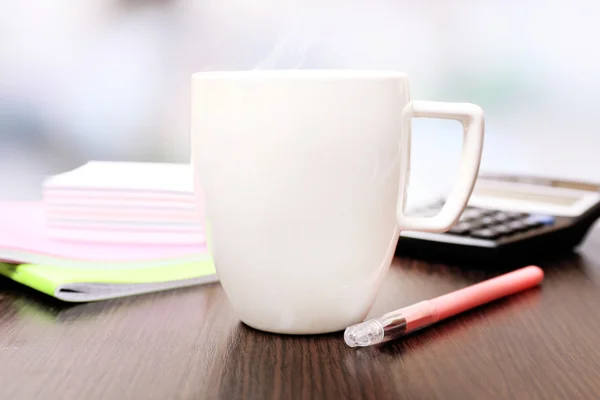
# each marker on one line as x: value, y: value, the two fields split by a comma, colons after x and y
x: 303, y: 175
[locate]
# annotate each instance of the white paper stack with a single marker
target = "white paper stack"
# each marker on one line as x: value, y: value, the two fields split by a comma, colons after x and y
x: 124, y: 202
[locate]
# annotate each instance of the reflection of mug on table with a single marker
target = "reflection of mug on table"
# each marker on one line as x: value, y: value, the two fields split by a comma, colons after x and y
x: 304, y: 176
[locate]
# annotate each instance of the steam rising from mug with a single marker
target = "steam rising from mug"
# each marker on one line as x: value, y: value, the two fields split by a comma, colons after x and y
x: 260, y: 34
x: 312, y: 34
x: 292, y: 42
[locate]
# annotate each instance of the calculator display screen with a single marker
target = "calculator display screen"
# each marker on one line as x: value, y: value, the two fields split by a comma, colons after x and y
x: 555, y: 199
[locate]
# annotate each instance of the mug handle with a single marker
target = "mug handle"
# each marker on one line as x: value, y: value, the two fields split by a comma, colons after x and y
x: 471, y: 117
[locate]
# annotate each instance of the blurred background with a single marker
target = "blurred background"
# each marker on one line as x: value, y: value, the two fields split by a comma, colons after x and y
x: 109, y: 79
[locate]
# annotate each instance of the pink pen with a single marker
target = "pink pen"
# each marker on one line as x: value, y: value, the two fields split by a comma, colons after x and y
x: 409, y: 319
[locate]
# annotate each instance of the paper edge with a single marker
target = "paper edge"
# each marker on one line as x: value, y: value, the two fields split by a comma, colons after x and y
x: 11, y: 256
x: 134, y: 289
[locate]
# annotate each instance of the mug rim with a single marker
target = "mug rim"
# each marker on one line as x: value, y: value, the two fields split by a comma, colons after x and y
x: 294, y: 74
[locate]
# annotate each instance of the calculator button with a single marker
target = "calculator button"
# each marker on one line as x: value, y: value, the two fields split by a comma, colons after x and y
x: 485, y: 233
x: 472, y: 213
x: 476, y: 224
x: 461, y: 228
x: 517, y: 226
x: 541, y: 219
x: 487, y: 220
x: 531, y: 223
x: 502, y: 217
x: 502, y: 230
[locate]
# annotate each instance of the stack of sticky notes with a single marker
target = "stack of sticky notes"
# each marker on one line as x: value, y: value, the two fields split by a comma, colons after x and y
x: 93, y: 240
x: 124, y: 202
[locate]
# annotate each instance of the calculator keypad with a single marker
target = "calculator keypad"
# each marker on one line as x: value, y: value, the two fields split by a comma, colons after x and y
x: 489, y: 224
x: 493, y: 224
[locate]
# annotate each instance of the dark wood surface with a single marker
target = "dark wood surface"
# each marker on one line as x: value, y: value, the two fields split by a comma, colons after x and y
x: 187, y: 344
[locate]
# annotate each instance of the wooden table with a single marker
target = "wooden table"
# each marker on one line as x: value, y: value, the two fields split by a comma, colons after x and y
x: 187, y: 344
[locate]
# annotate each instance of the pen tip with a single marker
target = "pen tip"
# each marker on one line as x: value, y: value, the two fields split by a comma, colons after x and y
x: 364, y: 334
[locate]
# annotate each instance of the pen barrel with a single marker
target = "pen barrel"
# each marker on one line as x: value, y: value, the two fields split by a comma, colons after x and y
x: 419, y: 315
x: 406, y: 320
x: 484, y: 292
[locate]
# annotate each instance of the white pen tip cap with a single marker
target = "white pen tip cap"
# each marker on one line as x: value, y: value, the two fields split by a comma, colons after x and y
x: 364, y: 334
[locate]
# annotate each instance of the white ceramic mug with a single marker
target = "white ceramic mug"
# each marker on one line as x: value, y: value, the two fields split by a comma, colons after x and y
x: 303, y: 176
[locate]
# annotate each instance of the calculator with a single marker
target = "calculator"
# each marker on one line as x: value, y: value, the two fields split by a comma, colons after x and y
x: 510, y: 217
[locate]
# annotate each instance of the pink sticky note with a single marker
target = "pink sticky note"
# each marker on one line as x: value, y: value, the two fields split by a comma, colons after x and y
x: 23, y: 232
